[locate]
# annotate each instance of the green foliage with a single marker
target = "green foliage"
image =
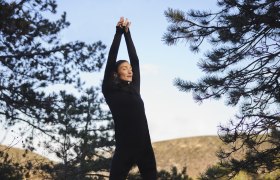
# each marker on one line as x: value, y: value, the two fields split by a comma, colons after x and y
x: 82, y: 136
x: 33, y: 57
x: 165, y: 175
x: 243, y: 67
x: 219, y: 172
x: 174, y: 174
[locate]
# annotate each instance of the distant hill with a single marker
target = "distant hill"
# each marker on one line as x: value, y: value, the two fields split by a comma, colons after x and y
x: 17, y: 155
x: 24, y: 157
x: 196, y: 153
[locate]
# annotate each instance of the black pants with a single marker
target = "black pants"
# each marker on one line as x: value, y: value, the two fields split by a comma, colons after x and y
x: 123, y: 161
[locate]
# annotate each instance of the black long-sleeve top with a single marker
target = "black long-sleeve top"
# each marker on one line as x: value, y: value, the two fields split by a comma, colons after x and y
x: 124, y: 100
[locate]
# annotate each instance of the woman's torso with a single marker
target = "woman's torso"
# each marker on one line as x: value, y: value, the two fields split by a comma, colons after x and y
x: 127, y: 107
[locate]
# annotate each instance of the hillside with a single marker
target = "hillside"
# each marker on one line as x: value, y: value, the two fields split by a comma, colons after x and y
x: 24, y: 158
x: 196, y: 153
x: 17, y: 155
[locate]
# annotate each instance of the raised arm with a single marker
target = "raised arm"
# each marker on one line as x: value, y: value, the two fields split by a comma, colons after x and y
x: 134, y: 61
x: 112, y: 58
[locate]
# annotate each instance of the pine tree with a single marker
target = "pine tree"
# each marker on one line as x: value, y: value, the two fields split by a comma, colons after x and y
x: 32, y: 57
x: 243, y: 67
x: 82, y: 137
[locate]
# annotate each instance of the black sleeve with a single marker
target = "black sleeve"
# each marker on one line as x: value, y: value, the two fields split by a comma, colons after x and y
x: 134, y: 61
x: 112, y: 58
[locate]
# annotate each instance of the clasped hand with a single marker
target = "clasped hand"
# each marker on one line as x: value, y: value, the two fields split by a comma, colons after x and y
x: 124, y: 23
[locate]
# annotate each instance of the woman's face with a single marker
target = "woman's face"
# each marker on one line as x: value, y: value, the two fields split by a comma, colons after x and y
x: 125, y: 71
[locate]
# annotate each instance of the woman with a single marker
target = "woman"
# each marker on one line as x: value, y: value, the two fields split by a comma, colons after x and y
x: 121, y: 89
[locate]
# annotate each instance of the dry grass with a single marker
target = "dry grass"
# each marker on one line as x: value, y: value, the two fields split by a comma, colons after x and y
x: 23, y: 157
x: 16, y: 154
x: 196, y: 153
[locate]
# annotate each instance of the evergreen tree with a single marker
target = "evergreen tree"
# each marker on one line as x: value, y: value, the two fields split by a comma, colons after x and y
x: 32, y: 57
x: 82, y: 137
x: 244, y: 68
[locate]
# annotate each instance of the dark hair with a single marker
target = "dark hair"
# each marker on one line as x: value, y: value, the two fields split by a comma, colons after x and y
x: 116, y: 79
x: 118, y: 63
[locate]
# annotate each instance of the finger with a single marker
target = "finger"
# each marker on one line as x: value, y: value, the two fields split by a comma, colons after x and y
x: 121, y: 19
x: 125, y: 22
x: 127, y: 26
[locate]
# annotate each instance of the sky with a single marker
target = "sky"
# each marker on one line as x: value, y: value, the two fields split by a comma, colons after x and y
x: 171, y: 113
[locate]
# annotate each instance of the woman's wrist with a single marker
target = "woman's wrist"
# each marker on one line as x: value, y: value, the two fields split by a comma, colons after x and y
x: 123, y: 25
x: 126, y: 31
x: 119, y: 29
